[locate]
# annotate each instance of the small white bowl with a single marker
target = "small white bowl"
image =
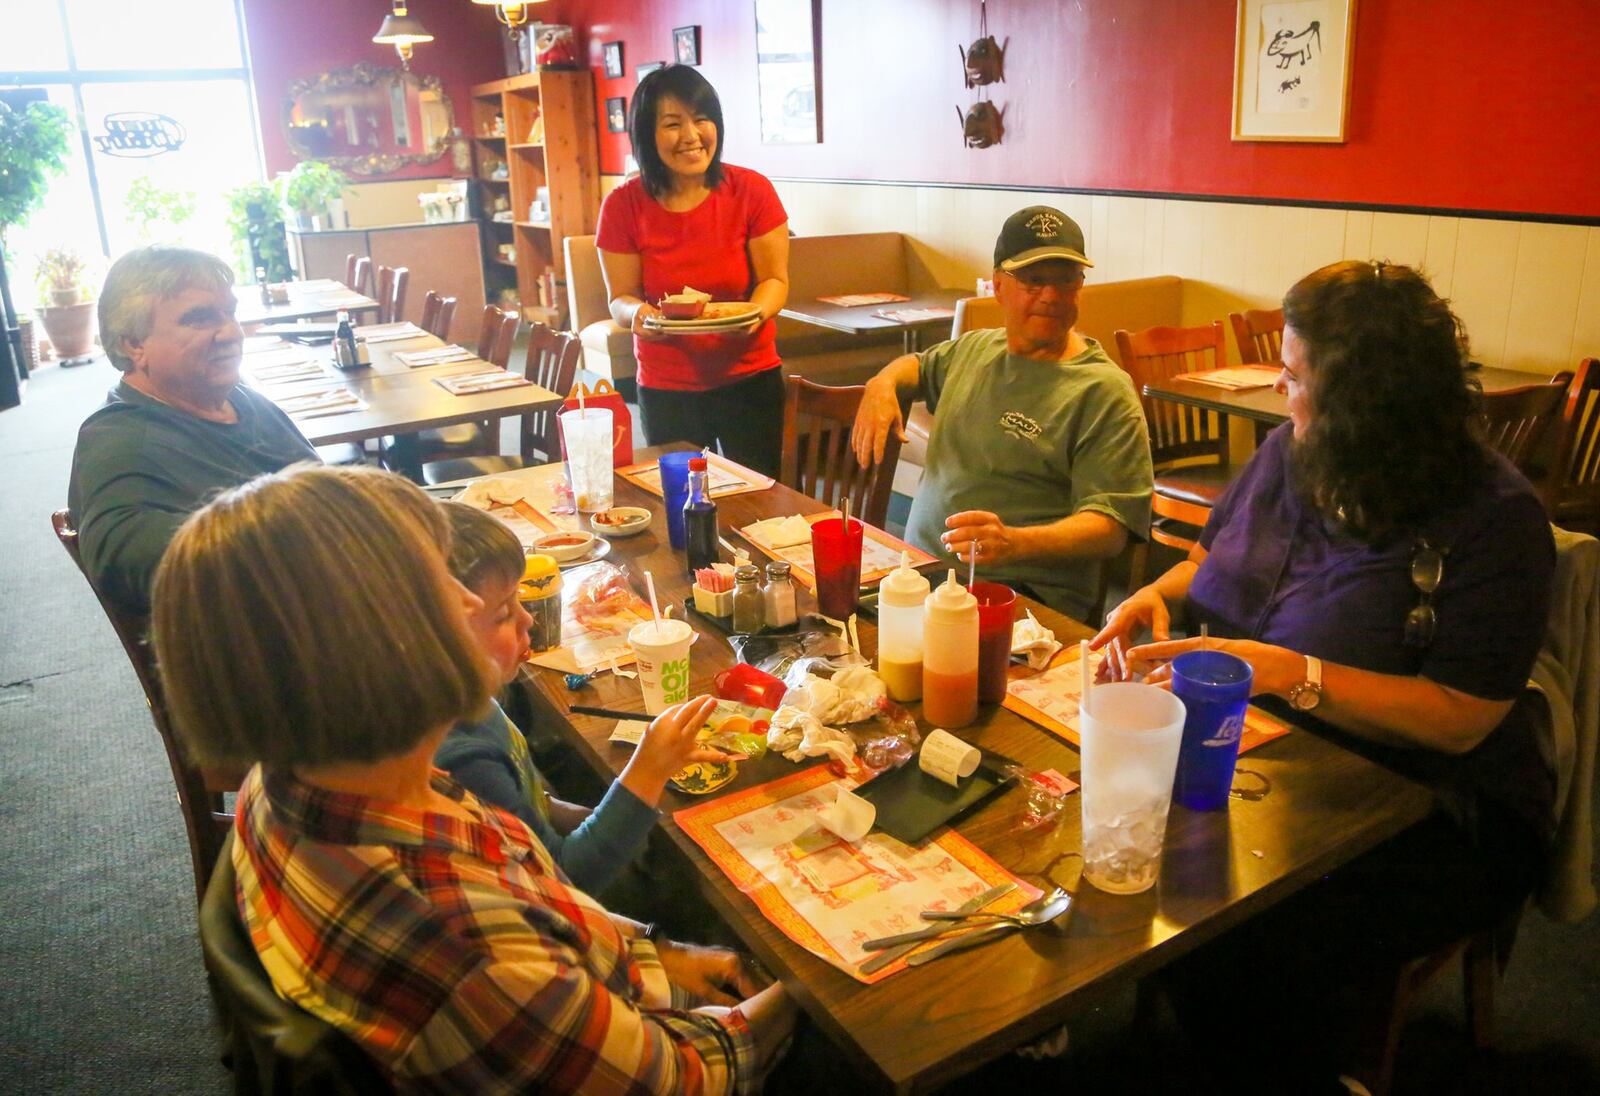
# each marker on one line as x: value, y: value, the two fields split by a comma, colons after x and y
x: 566, y: 545
x: 620, y: 521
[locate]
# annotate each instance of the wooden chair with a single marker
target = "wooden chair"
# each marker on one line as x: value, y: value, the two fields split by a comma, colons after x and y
x: 358, y: 275
x: 1259, y: 333
x: 205, y: 818
x: 392, y: 284
x: 1188, y: 446
x: 552, y: 363
x: 1572, y: 488
x: 437, y: 314
x: 496, y: 334
x: 817, y: 458
x: 1518, y: 423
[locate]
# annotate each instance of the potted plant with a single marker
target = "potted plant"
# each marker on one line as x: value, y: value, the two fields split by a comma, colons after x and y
x: 33, y: 147
x: 69, y: 317
x: 308, y: 191
x: 158, y: 213
x: 255, y: 219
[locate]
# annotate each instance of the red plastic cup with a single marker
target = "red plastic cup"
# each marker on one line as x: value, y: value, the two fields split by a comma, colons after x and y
x: 997, y: 610
x: 836, y: 553
x: 745, y: 684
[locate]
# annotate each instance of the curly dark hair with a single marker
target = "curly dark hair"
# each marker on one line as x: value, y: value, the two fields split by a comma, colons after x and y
x: 1393, y: 437
x: 694, y: 91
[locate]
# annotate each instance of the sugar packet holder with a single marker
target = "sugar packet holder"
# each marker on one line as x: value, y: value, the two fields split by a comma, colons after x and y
x: 945, y: 757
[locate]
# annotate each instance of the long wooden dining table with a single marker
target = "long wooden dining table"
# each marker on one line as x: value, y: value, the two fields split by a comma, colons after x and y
x: 402, y: 399
x: 928, y: 1025
x: 320, y: 297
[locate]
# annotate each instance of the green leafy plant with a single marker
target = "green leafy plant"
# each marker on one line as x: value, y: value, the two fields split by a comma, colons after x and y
x: 255, y: 211
x: 311, y: 186
x: 33, y: 147
x: 61, y: 271
x: 150, y: 206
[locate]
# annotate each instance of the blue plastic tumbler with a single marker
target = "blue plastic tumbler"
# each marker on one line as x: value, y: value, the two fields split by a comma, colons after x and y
x: 1215, y: 690
x: 675, y: 489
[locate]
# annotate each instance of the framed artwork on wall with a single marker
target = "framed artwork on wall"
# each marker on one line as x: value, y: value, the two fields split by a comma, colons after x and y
x: 1291, y: 74
x: 617, y: 114
x: 641, y: 71
x: 612, y: 53
x: 686, y: 45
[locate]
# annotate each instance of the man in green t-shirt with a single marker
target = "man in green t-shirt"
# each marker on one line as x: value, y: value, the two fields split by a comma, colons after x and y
x: 1039, y: 462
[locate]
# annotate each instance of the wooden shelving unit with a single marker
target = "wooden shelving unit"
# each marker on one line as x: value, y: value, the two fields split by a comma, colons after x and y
x: 556, y: 108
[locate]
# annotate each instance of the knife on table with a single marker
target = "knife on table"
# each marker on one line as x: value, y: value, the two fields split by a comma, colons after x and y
x: 966, y: 940
x: 896, y: 946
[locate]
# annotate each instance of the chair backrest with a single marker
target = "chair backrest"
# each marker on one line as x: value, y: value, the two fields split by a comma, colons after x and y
x: 1517, y: 423
x: 350, y: 262
x: 1259, y: 333
x: 362, y: 282
x: 1572, y: 491
x: 276, y: 1046
x: 205, y: 819
x: 392, y: 285
x: 587, y: 301
x: 1155, y: 354
x: 496, y: 334
x: 973, y: 313
x: 552, y: 363
x: 817, y: 458
x: 437, y: 314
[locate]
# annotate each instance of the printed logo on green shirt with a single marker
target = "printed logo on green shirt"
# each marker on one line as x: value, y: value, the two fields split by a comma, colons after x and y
x: 1019, y: 425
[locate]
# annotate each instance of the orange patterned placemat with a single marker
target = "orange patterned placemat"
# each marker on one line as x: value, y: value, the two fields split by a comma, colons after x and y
x: 726, y: 477
x: 880, y: 552
x: 825, y: 894
x: 1050, y: 699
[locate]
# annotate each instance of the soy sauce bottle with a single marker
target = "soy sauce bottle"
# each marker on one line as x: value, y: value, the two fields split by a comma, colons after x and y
x: 700, y: 518
x: 346, y: 356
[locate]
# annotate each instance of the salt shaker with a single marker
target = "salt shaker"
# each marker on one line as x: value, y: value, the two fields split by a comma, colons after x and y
x: 779, y: 596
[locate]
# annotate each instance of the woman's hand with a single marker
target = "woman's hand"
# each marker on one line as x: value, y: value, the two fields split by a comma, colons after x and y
x: 1273, y: 670
x: 715, y: 975
x: 1145, y: 608
x: 980, y: 533
x: 878, y: 414
x: 668, y: 746
x: 640, y: 314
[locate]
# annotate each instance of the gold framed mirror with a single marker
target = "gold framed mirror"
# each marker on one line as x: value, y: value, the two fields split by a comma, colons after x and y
x: 368, y: 119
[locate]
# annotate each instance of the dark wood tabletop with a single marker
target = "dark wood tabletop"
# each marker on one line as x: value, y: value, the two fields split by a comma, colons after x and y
x: 928, y: 1025
x: 401, y: 399
x: 864, y: 319
x: 1267, y: 406
x: 306, y: 299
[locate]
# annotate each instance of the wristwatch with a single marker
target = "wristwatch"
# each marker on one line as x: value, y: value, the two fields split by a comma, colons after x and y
x: 1308, y: 694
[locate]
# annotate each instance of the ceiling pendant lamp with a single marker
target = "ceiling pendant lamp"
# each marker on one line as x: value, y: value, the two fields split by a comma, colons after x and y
x: 513, y: 15
x: 402, y: 31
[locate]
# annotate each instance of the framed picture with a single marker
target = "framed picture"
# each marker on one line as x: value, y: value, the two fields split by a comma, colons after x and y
x: 612, y: 52
x: 641, y: 71
x: 617, y: 114
x: 686, y: 45
x: 1291, y: 69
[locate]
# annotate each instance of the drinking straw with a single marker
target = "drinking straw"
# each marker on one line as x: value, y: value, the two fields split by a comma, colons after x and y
x: 1085, y: 679
x: 581, y: 415
x: 655, y: 608
x: 1205, y: 636
x: 972, y: 564
x: 847, y: 515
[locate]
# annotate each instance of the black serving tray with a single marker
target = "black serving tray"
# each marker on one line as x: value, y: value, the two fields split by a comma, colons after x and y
x: 911, y: 804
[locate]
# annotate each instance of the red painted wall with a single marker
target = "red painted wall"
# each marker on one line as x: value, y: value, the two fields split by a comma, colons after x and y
x: 297, y: 39
x: 1469, y: 104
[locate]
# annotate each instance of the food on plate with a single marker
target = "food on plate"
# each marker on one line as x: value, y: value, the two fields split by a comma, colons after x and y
x: 687, y: 305
x: 621, y: 520
x: 565, y: 545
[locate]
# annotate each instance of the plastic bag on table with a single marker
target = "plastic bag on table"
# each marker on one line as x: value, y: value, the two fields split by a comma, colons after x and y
x: 599, y: 592
x: 889, y: 739
x: 1047, y: 793
x: 777, y: 653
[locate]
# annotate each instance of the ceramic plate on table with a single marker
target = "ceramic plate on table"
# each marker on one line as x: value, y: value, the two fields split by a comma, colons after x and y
x: 621, y: 521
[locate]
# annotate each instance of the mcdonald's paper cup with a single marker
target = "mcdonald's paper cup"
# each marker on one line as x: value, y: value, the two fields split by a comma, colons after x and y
x: 662, y: 651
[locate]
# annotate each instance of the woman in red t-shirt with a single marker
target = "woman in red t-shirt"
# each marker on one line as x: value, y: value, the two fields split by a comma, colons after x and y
x: 689, y: 220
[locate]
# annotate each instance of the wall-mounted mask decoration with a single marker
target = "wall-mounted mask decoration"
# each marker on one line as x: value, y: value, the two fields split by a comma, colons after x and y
x: 983, y: 125
x: 368, y: 120
x: 984, y: 61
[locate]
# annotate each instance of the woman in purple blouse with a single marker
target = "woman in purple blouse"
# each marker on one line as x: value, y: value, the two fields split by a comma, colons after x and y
x: 1387, y: 577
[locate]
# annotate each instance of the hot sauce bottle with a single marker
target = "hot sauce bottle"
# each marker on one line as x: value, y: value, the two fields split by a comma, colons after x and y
x: 900, y: 624
x: 950, y: 656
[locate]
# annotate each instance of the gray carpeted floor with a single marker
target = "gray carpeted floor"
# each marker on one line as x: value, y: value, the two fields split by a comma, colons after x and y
x: 97, y: 933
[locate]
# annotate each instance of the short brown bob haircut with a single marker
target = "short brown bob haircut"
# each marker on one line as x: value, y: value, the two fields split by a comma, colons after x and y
x: 307, y: 618
x: 482, y: 548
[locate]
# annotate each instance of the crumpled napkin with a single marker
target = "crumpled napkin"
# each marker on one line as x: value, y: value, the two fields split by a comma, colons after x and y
x: 493, y: 491
x: 782, y: 532
x: 1029, y: 637
x: 849, y: 696
x: 798, y: 734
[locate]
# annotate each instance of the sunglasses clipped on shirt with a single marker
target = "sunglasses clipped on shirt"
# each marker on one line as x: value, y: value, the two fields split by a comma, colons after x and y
x: 1427, y: 571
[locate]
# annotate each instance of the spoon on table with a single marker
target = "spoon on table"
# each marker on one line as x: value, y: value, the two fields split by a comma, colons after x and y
x: 1053, y: 910
x: 1041, y: 909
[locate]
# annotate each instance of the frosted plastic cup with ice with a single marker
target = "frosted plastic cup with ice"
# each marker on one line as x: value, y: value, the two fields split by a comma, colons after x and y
x: 1130, y: 736
x: 587, y: 436
x: 661, y: 649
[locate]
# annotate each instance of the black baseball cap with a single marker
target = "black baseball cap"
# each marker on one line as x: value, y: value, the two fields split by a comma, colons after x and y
x: 1035, y: 234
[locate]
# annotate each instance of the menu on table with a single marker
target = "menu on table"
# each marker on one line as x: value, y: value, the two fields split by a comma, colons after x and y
x: 861, y: 300
x: 724, y: 477
x: 1050, y: 698
x: 827, y: 895
x: 880, y: 552
x: 1237, y: 378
